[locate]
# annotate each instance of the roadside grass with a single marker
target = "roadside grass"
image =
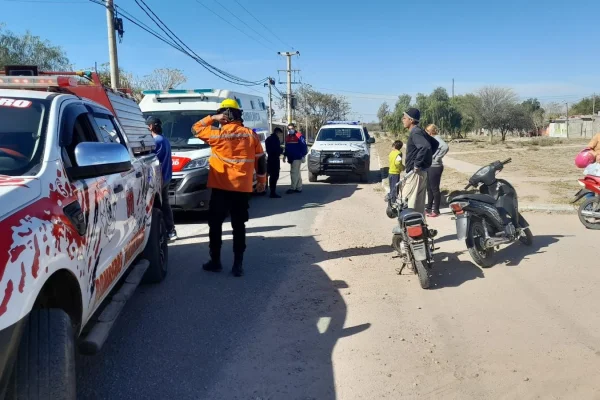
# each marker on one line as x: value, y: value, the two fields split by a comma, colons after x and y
x: 562, y: 192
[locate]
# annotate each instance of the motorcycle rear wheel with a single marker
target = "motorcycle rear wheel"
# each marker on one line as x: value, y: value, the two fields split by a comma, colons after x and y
x: 594, y: 202
x: 475, y: 244
x: 423, y: 274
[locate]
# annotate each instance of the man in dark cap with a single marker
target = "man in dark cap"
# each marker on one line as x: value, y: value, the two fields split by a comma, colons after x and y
x: 419, y: 152
x: 163, y: 153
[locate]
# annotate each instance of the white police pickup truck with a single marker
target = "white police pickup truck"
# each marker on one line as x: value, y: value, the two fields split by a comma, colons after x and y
x: 341, y: 148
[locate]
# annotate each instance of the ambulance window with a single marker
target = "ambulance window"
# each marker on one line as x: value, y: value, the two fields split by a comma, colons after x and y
x: 252, y: 104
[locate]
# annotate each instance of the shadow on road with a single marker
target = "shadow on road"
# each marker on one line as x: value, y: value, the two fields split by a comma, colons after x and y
x: 517, y: 252
x: 449, y: 271
x: 201, y: 335
x: 248, y: 231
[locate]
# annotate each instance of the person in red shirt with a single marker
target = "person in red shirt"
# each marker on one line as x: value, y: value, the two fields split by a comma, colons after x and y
x: 236, y: 154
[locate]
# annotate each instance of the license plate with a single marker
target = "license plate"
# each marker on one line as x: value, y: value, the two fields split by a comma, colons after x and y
x: 336, y: 161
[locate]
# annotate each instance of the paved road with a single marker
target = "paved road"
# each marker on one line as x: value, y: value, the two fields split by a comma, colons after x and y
x: 322, y: 314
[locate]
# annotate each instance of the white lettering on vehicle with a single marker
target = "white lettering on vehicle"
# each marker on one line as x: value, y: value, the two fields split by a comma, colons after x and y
x: 4, y: 102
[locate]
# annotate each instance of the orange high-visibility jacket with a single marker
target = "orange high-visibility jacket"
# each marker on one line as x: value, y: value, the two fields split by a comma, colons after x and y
x: 235, y: 154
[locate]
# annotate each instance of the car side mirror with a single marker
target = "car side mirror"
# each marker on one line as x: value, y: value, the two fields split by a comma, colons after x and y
x: 94, y: 159
x: 371, y: 140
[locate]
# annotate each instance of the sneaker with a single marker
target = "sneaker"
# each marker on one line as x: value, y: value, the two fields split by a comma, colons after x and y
x: 290, y: 191
x: 297, y: 191
x: 213, y: 266
x: 433, y: 214
x: 173, y: 235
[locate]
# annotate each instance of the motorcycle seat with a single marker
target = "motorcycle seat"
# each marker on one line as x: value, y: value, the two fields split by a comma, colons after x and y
x: 484, y: 198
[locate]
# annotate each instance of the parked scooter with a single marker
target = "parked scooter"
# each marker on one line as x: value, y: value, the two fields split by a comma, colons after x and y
x: 589, y: 210
x: 412, y: 239
x: 490, y: 218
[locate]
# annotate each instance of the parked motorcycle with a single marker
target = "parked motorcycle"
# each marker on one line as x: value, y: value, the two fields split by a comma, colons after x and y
x: 412, y: 239
x: 490, y: 218
x: 589, y: 210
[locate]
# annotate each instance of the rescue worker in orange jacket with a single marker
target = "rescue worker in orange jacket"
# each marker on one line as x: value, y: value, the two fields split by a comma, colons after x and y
x: 236, y: 154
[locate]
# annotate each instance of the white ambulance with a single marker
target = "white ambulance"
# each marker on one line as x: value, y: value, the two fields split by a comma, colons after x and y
x: 179, y: 109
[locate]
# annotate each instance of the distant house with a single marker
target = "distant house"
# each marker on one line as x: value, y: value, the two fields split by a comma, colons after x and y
x: 579, y: 126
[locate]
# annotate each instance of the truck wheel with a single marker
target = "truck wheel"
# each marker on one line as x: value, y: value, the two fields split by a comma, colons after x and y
x: 312, y: 177
x: 45, y: 365
x: 364, y: 177
x: 157, y: 251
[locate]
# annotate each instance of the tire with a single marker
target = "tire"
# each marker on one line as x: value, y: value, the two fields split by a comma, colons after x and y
x: 364, y: 178
x: 527, y: 240
x: 45, y: 365
x: 423, y: 274
x: 157, y: 250
x: 583, y: 206
x: 481, y: 256
x: 312, y: 177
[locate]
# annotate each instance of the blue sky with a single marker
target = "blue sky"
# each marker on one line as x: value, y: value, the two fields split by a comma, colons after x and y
x: 369, y: 53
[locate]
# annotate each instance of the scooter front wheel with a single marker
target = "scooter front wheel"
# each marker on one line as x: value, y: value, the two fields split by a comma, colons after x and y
x: 476, y: 245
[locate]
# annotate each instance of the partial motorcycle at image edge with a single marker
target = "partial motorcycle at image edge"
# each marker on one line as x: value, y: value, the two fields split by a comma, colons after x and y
x: 589, y: 209
x: 490, y: 218
x: 412, y: 239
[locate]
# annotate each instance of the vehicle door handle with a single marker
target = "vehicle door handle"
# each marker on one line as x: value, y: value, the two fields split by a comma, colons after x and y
x: 118, y: 188
x: 138, y: 174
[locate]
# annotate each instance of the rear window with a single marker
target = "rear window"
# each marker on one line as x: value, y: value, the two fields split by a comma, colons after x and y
x: 22, y: 133
x: 340, y: 135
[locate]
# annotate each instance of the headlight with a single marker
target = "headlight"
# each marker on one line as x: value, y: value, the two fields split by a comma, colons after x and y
x: 197, y: 163
x: 315, y: 153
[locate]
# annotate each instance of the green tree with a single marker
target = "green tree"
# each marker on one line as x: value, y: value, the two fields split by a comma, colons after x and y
x: 534, y: 112
x: 394, y: 120
x: 586, y: 106
x: 28, y: 49
x: 316, y: 108
x: 383, y: 113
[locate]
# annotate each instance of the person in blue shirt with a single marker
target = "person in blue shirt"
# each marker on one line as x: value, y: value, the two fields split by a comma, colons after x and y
x: 163, y: 153
x: 295, y: 152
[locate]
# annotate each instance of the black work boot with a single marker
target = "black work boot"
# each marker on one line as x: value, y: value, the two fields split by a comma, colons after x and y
x: 214, y: 265
x: 237, y: 269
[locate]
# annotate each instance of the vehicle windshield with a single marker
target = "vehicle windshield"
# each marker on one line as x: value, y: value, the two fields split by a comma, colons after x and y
x: 177, y: 127
x: 340, y: 135
x: 22, y: 133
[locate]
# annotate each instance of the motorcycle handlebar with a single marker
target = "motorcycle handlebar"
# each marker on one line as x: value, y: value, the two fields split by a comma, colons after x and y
x: 508, y: 160
x: 467, y: 187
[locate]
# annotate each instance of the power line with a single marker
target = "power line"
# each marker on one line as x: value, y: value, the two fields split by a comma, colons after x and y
x: 243, y: 22
x: 232, y: 25
x: 180, y: 45
x: 263, y: 25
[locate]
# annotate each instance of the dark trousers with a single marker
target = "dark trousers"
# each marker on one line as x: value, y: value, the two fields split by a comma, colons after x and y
x: 434, y: 177
x: 166, y: 207
x: 273, y: 171
x: 223, y: 203
x: 393, y: 180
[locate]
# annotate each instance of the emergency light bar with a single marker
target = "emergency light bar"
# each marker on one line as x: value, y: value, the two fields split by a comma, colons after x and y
x: 177, y: 91
x: 25, y: 82
x: 342, y: 123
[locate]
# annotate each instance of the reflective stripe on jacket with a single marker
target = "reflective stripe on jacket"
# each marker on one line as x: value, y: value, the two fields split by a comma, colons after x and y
x: 235, y: 154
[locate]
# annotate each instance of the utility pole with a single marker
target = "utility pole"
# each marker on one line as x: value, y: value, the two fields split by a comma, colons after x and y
x: 270, y: 83
x: 567, y: 120
x: 452, y: 87
x: 112, y: 45
x: 289, y: 55
x: 594, y: 104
